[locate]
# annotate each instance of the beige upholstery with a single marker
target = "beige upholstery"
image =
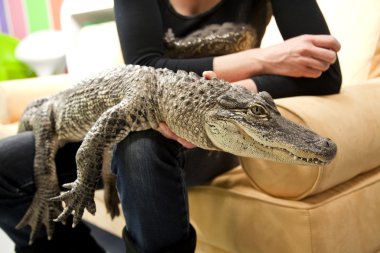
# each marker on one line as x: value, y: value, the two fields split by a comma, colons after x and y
x: 230, y: 216
x: 375, y: 64
x: 340, y: 117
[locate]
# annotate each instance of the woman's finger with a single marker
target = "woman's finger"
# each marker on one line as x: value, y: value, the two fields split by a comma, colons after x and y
x: 311, y: 73
x: 165, y: 131
x: 326, y: 41
x: 319, y: 53
x: 315, y: 64
x: 209, y: 74
x: 185, y: 143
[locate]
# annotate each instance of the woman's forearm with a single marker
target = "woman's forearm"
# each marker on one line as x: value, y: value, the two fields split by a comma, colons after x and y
x: 238, y: 66
x: 301, y: 56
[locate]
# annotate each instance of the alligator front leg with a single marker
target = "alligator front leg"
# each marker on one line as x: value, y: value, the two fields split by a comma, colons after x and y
x: 42, y: 211
x: 112, y: 127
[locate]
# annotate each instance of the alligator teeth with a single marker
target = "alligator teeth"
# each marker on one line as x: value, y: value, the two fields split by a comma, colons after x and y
x: 295, y: 158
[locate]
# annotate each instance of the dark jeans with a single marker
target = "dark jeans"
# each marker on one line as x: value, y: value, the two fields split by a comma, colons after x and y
x: 153, y: 174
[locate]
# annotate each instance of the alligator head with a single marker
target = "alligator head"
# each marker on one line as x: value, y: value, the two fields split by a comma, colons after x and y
x: 249, y: 124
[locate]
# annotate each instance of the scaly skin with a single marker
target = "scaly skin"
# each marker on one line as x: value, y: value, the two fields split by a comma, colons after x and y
x: 104, y: 109
x: 212, y: 40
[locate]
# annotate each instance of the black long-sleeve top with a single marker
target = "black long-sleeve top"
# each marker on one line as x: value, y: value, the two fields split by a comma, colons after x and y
x: 142, y: 24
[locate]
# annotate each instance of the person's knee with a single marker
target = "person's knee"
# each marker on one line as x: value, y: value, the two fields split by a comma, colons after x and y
x: 16, y: 170
x: 16, y: 152
x: 17, y: 145
x: 145, y: 146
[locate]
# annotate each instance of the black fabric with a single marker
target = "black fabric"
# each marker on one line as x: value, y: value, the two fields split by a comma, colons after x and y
x: 187, y: 245
x: 65, y: 240
x: 142, y: 24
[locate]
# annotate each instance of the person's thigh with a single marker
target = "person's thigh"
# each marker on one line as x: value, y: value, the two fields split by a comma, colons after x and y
x: 153, y: 174
x: 16, y: 165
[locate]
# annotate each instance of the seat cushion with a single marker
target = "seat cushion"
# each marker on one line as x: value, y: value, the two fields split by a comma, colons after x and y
x: 230, y: 216
x: 351, y: 119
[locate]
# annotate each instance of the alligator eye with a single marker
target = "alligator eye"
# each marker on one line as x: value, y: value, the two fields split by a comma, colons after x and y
x: 258, y: 110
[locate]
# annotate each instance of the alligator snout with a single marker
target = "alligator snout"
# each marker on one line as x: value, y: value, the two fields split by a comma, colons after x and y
x: 329, y: 148
x: 328, y: 143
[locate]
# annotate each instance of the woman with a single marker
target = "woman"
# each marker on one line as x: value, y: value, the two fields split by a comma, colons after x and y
x: 301, y: 65
x: 153, y: 171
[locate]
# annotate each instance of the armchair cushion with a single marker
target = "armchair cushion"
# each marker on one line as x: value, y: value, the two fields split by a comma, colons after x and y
x: 351, y: 119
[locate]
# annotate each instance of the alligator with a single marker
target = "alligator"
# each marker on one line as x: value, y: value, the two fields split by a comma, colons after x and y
x: 103, y: 109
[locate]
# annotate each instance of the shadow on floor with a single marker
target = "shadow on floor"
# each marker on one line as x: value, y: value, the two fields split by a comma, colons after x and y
x: 111, y: 243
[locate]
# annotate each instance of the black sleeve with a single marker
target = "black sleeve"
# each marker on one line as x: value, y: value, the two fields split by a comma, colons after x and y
x: 139, y: 26
x: 293, y: 18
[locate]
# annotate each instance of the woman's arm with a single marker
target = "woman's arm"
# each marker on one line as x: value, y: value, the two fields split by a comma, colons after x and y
x: 301, y: 65
x: 295, y: 18
x: 301, y: 56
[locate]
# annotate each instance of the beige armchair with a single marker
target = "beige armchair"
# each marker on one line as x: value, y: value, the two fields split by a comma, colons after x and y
x: 268, y: 207
x: 263, y: 206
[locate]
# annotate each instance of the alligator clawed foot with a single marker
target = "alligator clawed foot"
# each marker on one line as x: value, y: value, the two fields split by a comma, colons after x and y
x: 40, y: 213
x: 76, y: 200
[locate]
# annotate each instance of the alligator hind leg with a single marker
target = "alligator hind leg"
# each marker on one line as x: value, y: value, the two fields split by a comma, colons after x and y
x: 111, y: 198
x: 42, y: 211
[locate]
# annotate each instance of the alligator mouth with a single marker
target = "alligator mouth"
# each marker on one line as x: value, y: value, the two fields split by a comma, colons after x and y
x: 283, y: 152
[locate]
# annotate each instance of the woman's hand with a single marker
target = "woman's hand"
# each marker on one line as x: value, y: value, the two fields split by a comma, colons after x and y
x: 165, y: 131
x: 301, y: 56
x: 247, y: 83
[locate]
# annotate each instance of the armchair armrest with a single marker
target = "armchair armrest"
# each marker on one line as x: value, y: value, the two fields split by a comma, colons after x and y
x: 15, y: 95
x: 351, y: 119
